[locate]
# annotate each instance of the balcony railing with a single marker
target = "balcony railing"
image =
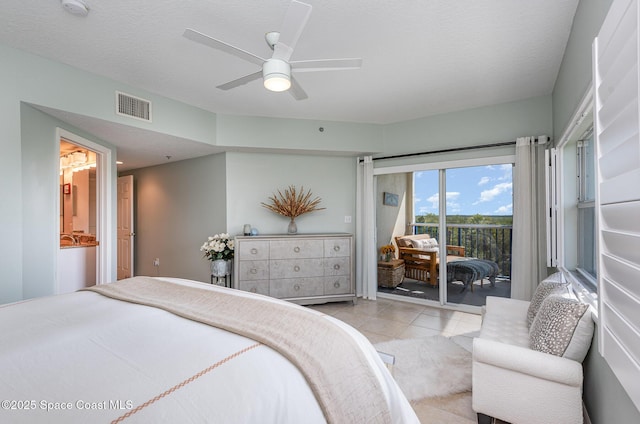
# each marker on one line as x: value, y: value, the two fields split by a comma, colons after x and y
x: 481, y: 241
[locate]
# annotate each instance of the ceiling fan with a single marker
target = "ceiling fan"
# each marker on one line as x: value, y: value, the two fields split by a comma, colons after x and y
x: 276, y: 71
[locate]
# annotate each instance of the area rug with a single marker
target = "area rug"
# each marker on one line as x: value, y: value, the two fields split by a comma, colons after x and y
x: 429, y: 366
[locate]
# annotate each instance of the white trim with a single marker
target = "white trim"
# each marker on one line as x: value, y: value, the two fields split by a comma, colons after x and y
x: 493, y: 160
x: 585, y: 109
x: 104, y: 219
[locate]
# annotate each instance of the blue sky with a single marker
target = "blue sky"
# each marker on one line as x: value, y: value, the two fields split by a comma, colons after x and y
x: 485, y: 190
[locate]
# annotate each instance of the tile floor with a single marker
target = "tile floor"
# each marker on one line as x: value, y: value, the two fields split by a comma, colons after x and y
x: 385, y: 319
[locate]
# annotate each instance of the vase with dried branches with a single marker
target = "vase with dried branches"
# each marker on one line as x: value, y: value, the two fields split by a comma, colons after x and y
x: 291, y: 204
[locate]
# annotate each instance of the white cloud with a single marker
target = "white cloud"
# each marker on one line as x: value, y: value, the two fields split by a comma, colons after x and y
x: 418, y: 174
x: 489, y: 195
x: 484, y: 180
x: 452, y: 196
x: 507, y: 170
x: 434, y: 200
x: 505, y: 210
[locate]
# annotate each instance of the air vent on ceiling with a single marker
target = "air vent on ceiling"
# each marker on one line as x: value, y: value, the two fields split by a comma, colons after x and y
x: 133, y: 107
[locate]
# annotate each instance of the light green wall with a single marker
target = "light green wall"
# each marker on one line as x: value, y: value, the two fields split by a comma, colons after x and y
x: 483, y: 125
x: 299, y: 135
x: 26, y: 78
x: 253, y: 177
x: 606, y: 400
x: 390, y: 220
x: 604, y: 397
x: 40, y: 222
x: 574, y: 77
x: 177, y: 206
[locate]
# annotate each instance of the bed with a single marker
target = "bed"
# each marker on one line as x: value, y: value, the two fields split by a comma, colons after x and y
x: 168, y: 350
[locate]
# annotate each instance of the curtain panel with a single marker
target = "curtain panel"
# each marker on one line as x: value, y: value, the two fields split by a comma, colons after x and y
x: 366, y: 269
x: 529, y: 235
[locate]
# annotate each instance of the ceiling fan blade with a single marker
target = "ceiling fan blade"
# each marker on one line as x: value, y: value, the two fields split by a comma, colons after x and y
x: 294, y: 22
x: 201, y: 38
x: 241, y: 81
x: 296, y: 91
x: 326, y: 65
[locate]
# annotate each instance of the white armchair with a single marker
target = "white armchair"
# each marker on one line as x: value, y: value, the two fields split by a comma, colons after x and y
x: 518, y: 384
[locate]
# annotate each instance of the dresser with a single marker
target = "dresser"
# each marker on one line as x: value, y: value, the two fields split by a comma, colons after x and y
x: 302, y: 268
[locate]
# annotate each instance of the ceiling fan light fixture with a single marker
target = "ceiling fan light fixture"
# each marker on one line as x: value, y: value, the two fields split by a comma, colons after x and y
x: 276, y: 75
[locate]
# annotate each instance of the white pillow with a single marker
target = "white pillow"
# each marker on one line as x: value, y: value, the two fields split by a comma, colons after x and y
x: 425, y: 244
x: 557, y: 277
x: 562, y: 327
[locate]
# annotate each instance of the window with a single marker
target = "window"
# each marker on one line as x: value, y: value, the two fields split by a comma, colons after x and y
x: 572, y: 199
x: 586, y: 226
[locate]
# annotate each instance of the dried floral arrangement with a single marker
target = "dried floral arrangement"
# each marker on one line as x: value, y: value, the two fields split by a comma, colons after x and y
x: 293, y: 202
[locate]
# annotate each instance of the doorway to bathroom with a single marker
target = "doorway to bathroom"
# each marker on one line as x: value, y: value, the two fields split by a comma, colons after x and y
x: 85, y: 213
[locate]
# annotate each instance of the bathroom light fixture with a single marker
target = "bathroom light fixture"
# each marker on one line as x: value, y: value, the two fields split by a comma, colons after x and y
x: 78, y: 161
x: 277, y: 75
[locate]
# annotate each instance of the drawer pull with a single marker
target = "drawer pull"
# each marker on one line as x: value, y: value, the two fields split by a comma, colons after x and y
x: 336, y: 267
x: 253, y: 271
x: 296, y: 268
x: 253, y: 290
x: 254, y: 251
x: 296, y: 249
x: 296, y: 287
x: 336, y: 284
x: 336, y: 248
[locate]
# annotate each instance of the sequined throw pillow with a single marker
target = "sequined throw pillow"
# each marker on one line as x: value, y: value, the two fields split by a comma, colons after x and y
x: 555, y: 325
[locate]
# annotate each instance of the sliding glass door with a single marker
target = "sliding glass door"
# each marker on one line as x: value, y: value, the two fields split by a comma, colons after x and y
x: 458, y: 218
x: 479, y: 219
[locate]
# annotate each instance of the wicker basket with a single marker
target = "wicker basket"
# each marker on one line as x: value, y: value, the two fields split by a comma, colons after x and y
x: 390, y: 274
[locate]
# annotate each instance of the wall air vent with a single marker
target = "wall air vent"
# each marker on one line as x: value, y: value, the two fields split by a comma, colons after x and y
x: 133, y: 107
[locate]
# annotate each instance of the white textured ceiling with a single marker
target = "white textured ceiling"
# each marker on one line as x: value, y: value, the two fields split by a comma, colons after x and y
x: 420, y: 57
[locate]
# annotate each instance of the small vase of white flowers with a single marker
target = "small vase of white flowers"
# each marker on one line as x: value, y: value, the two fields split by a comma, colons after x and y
x: 219, y: 250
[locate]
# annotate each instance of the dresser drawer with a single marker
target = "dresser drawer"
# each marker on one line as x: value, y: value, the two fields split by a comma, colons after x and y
x: 337, y: 266
x: 253, y: 270
x: 337, y: 285
x: 337, y: 247
x: 258, y: 286
x: 296, y: 287
x: 296, y: 248
x: 296, y: 268
x: 253, y: 250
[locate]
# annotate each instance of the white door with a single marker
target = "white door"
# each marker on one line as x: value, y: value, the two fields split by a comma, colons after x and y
x: 125, y: 227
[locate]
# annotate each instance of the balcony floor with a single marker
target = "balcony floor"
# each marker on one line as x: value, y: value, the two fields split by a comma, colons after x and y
x: 421, y: 290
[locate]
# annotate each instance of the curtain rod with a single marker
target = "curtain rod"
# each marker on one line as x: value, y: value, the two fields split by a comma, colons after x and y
x: 453, y: 149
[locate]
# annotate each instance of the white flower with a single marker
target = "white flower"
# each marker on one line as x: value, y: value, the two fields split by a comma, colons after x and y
x: 219, y: 246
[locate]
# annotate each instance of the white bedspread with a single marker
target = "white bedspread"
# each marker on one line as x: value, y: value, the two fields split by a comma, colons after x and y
x: 83, y: 357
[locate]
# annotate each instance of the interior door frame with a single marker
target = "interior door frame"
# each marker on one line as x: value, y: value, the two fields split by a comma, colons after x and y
x: 105, y: 218
x: 131, y: 235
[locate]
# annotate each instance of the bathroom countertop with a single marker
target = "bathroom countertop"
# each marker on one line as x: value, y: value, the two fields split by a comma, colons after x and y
x: 85, y: 244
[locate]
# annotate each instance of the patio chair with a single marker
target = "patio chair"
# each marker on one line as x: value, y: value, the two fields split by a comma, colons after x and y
x: 420, y: 255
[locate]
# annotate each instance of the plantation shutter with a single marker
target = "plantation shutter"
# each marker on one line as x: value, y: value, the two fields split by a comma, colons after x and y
x: 615, y: 53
